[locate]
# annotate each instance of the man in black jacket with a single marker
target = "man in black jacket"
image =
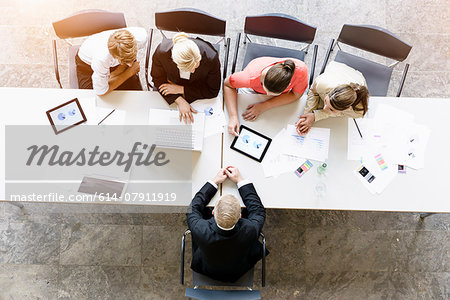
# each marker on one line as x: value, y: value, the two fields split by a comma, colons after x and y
x: 225, y: 246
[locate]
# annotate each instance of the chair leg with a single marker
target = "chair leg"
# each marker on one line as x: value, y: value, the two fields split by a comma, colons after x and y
x: 183, y: 242
x: 402, y: 81
x: 327, y: 56
x: 147, y: 60
x: 424, y: 215
x: 236, y: 50
x: 55, y: 63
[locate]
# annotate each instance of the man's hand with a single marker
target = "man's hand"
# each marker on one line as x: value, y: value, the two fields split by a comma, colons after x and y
x: 233, y: 126
x: 304, y: 123
x: 171, y: 89
x: 186, y: 110
x: 253, y: 111
x: 220, y: 177
x: 233, y: 174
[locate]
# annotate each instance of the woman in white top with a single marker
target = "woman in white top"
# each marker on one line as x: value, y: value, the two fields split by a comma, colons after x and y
x: 107, y: 60
x: 339, y: 91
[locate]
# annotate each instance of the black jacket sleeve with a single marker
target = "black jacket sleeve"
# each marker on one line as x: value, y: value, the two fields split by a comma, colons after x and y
x: 159, y: 74
x: 196, y: 209
x: 256, y: 210
x: 209, y: 86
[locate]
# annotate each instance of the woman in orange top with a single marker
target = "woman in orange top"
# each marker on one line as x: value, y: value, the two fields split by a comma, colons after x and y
x: 285, y: 79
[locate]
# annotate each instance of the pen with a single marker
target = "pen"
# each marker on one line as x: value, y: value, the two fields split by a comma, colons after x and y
x: 357, y: 127
x: 111, y: 113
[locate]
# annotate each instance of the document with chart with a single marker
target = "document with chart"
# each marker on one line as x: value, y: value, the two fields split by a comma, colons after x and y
x: 313, y: 145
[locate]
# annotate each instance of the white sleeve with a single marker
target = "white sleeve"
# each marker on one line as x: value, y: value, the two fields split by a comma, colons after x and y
x: 242, y: 183
x: 213, y: 184
x: 100, y: 77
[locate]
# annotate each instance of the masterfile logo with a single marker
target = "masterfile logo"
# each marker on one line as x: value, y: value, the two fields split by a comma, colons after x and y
x: 36, y: 153
x: 54, y: 156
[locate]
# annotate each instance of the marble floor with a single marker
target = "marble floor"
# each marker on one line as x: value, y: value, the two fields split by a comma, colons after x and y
x: 53, y: 254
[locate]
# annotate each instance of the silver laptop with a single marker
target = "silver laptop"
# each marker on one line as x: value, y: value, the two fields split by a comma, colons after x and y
x: 182, y: 136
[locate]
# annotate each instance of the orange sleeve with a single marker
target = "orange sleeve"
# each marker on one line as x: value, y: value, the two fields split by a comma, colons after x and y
x: 240, y: 80
x: 301, y: 80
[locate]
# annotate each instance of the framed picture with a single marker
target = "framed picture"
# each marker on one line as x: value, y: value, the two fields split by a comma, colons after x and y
x: 251, y: 143
x: 66, y: 116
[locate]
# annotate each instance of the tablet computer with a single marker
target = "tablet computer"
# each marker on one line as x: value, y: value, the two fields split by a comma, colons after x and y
x: 251, y: 143
x: 66, y: 116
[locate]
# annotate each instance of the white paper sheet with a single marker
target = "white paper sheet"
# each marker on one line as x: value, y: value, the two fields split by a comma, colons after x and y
x: 382, y: 169
x: 392, y: 132
x: 214, y: 116
x: 276, y: 163
x: 312, y: 146
x: 416, y: 143
x: 355, y: 144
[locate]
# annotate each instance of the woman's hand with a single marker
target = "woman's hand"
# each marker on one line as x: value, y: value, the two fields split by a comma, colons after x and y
x: 171, y: 89
x: 233, y: 126
x: 185, y: 110
x: 304, y: 123
x: 253, y: 111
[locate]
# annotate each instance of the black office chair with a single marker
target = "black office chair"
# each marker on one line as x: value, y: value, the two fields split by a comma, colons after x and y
x: 280, y: 26
x: 190, y: 20
x: 81, y: 24
x: 201, y: 280
x: 376, y: 40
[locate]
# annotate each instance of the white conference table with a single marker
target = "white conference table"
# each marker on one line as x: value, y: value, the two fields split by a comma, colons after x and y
x: 27, y: 106
x: 424, y: 190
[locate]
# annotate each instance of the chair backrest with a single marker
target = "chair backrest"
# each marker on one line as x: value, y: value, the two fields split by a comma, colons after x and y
x: 88, y: 22
x: 202, y: 294
x: 374, y: 39
x: 377, y: 76
x: 246, y: 280
x: 280, y: 26
x: 190, y: 20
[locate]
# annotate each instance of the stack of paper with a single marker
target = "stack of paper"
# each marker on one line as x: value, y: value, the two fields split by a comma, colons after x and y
x: 289, y: 150
x: 275, y: 162
x: 390, y: 138
x: 214, y: 116
x: 391, y: 132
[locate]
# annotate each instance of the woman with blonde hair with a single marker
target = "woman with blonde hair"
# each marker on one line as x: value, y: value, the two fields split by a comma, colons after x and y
x: 339, y: 91
x: 184, y: 70
x: 107, y: 61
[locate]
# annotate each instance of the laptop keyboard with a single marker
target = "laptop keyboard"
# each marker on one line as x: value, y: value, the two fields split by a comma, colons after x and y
x: 175, y: 138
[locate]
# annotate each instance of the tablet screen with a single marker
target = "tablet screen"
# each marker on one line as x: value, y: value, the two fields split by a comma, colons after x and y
x: 66, y: 115
x: 251, y: 143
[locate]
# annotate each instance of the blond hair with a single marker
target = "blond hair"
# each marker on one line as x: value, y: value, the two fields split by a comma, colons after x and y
x: 185, y: 53
x: 123, y: 46
x: 227, y: 211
